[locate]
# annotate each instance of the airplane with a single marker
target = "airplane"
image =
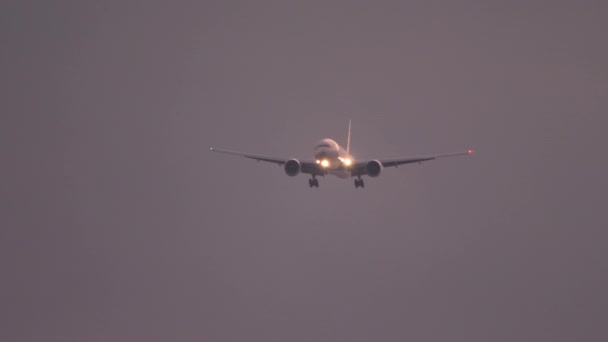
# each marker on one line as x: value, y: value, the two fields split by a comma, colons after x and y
x: 332, y: 159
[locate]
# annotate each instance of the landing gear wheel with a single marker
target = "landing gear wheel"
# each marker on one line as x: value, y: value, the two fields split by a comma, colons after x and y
x: 313, y: 182
x: 359, y: 183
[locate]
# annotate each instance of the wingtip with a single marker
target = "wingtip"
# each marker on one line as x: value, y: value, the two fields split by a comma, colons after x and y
x: 210, y: 148
x: 470, y: 151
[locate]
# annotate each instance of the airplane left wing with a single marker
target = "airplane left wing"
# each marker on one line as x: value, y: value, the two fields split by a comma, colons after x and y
x: 306, y: 166
x: 359, y: 168
x: 401, y: 161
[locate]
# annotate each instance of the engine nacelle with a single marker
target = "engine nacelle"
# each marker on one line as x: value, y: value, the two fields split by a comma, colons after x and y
x: 292, y: 167
x: 373, y: 168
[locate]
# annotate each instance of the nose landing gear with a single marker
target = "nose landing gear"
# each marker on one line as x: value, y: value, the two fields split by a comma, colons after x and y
x: 359, y: 183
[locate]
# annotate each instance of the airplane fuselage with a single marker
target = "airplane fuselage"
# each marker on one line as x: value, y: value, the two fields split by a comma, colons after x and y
x: 333, y: 158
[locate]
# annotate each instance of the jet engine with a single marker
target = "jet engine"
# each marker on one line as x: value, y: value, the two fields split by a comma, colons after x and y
x: 372, y: 168
x: 292, y: 167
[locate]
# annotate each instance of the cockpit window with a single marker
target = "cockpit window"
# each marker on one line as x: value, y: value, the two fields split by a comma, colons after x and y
x: 323, y: 145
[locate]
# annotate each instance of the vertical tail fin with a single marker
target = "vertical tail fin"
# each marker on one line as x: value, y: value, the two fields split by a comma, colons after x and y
x: 348, y: 138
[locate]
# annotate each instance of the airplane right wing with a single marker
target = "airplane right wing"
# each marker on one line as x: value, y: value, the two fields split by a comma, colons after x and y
x: 306, y: 166
x: 276, y: 160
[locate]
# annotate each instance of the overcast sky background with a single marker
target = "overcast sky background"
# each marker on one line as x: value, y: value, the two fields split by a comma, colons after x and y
x: 118, y: 224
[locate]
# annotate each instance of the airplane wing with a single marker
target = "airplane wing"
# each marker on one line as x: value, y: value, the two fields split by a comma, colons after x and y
x: 359, y: 167
x: 306, y: 166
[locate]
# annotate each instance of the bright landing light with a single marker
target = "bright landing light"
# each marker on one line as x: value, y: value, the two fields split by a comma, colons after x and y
x: 325, y: 163
x: 346, y: 161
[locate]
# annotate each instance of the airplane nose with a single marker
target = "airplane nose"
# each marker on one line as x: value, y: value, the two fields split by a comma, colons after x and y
x: 325, y: 154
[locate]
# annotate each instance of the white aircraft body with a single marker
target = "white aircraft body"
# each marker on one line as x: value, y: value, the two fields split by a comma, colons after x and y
x: 332, y: 159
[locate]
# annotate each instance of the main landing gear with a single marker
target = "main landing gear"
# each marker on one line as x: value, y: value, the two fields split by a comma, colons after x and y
x: 359, y: 183
x: 313, y: 182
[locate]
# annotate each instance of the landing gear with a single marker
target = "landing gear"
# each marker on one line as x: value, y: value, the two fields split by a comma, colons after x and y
x: 359, y: 183
x: 313, y: 182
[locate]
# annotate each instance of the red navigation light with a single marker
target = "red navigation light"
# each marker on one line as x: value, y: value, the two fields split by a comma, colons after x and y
x: 470, y: 151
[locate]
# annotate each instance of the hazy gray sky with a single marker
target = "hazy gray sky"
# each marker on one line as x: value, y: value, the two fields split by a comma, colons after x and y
x: 118, y: 224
